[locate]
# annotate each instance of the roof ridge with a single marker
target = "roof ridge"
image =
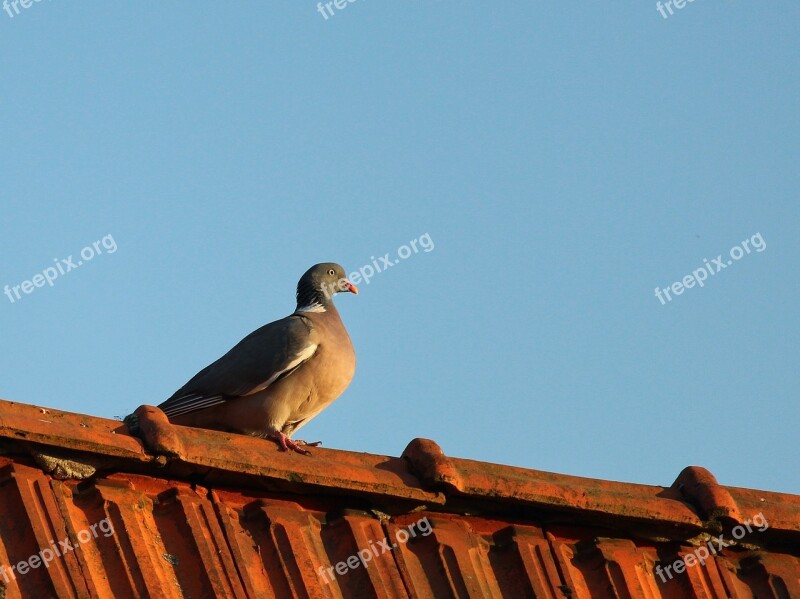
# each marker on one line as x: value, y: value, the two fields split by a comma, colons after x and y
x: 69, y: 445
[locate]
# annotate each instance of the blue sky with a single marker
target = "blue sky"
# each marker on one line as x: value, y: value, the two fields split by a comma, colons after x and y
x: 565, y: 161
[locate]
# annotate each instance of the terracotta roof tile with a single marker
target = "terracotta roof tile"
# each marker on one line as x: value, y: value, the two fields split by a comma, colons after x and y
x: 219, y: 515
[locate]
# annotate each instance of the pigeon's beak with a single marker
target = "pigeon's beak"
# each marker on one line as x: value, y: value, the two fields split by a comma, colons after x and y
x: 350, y: 287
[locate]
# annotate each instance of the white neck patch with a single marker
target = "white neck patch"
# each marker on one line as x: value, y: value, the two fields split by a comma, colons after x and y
x: 312, y: 308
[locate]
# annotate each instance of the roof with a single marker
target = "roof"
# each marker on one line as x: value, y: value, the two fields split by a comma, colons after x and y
x: 222, y: 515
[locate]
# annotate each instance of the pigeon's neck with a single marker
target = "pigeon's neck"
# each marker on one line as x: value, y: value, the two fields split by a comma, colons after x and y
x: 310, y: 299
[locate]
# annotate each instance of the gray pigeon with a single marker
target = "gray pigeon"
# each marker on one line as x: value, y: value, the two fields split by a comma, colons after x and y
x: 280, y: 376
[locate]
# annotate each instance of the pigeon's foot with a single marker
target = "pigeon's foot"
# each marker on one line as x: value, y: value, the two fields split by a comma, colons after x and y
x: 285, y: 443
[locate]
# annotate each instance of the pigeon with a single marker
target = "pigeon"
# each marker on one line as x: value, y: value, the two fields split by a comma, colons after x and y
x: 281, y: 375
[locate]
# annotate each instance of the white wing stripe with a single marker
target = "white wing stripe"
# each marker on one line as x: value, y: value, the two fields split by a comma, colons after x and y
x: 304, y: 355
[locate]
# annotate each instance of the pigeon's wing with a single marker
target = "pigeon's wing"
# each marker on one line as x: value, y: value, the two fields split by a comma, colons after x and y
x: 266, y: 355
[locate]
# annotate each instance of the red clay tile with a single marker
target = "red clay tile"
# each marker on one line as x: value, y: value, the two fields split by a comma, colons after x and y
x: 218, y: 515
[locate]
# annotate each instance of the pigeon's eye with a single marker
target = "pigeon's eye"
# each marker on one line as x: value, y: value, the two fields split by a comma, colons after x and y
x: 331, y: 272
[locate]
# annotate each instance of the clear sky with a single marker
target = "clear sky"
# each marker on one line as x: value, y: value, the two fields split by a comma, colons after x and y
x: 564, y: 160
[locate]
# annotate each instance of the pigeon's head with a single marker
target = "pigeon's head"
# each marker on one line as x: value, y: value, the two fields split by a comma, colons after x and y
x: 320, y: 283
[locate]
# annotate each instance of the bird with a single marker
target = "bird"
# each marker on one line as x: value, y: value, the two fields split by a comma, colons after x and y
x: 280, y: 376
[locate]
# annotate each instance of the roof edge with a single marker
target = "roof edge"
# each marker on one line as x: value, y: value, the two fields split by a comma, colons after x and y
x: 693, y: 506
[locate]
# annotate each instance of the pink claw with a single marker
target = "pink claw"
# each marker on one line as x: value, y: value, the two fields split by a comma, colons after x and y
x: 285, y: 443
